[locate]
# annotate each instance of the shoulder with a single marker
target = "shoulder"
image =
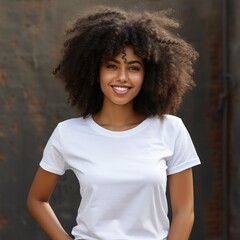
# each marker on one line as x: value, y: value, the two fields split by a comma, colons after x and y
x: 72, y: 122
x: 170, y: 122
x: 72, y: 125
x: 167, y: 127
x: 171, y: 119
x: 73, y: 128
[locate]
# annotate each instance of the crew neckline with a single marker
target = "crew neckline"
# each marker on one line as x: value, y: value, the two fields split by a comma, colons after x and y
x: 124, y: 133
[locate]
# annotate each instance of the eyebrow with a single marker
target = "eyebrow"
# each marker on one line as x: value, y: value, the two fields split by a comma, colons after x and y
x: 130, y: 62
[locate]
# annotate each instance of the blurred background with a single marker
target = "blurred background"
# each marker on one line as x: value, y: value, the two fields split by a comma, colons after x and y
x: 32, y: 102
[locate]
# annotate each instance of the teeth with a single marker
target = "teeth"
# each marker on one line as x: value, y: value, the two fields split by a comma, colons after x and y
x: 121, y: 88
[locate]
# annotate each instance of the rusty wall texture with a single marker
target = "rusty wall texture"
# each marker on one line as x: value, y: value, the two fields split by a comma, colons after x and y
x: 32, y: 103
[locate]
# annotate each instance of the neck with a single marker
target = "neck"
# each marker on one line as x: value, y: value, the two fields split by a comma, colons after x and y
x: 118, y: 117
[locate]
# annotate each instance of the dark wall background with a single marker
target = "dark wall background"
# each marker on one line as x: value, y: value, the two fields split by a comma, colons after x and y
x: 234, y: 112
x: 32, y: 103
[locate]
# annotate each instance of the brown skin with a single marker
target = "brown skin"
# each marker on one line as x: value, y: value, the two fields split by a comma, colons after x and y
x: 182, y: 203
x: 38, y: 204
x: 117, y: 114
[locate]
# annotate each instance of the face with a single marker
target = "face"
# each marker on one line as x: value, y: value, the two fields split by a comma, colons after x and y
x: 121, y: 78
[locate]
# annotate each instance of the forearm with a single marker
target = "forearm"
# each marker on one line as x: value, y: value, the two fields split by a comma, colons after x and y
x: 45, y: 216
x: 181, y: 226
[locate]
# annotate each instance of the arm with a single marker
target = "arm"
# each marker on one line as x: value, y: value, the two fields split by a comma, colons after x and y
x: 38, y: 204
x: 182, y: 203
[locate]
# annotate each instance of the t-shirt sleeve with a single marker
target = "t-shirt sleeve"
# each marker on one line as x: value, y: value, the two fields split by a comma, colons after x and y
x: 184, y: 153
x: 53, y: 160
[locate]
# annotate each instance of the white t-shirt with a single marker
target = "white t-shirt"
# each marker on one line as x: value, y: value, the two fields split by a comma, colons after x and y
x: 122, y: 174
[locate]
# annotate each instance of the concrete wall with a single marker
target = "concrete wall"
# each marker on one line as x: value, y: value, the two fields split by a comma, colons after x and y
x: 32, y: 103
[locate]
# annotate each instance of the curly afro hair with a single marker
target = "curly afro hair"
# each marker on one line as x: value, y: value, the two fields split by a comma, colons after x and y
x: 102, y: 34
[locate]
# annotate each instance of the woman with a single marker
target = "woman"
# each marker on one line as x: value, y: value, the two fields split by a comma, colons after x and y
x: 127, y: 73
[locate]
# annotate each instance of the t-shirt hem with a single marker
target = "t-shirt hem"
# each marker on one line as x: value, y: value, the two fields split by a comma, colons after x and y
x: 50, y: 168
x: 182, y: 167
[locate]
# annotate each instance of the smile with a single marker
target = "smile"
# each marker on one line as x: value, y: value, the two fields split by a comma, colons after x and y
x: 120, y: 90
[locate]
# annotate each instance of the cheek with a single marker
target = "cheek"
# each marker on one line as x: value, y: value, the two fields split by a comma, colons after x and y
x: 104, y: 77
x: 104, y: 81
x: 102, y: 84
x: 139, y: 80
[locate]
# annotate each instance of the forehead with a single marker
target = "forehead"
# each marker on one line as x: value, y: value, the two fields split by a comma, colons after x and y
x: 127, y: 54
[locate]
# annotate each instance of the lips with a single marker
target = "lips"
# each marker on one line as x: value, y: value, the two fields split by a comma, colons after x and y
x: 120, y: 89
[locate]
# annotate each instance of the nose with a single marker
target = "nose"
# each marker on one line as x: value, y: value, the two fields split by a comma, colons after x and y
x: 123, y: 76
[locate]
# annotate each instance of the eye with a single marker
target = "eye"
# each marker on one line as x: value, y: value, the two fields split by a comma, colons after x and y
x: 111, y: 66
x: 134, y: 68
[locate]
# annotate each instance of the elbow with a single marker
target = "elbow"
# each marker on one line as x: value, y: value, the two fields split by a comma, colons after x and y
x: 35, y: 202
x: 191, y: 217
x: 32, y: 202
x: 185, y: 216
